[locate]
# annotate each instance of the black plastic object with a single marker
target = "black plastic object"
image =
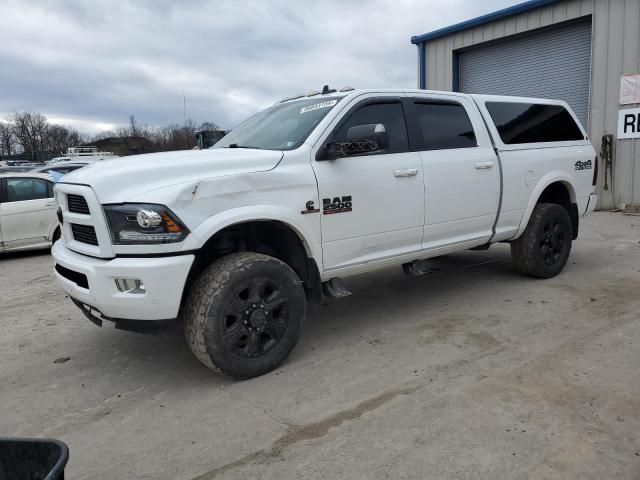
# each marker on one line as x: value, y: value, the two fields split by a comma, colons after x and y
x: 32, y: 459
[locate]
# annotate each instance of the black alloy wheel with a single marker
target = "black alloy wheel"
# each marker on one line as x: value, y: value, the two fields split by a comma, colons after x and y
x: 543, y: 248
x: 256, y: 318
x: 552, y: 244
x: 244, y: 314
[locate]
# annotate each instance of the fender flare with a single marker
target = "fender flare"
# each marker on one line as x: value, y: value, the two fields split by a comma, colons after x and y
x: 252, y: 213
x: 548, y: 179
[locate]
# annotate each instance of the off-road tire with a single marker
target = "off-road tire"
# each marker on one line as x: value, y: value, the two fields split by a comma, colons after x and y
x: 543, y: 248
x: 219, y: 289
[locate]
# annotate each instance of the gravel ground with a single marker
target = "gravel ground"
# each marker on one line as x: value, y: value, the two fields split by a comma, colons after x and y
x: 471, y: 371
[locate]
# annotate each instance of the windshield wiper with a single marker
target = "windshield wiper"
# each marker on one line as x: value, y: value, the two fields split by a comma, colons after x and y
x: 235, y: 145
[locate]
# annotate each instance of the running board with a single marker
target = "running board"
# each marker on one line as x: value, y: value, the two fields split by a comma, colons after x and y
x: 482, y: 247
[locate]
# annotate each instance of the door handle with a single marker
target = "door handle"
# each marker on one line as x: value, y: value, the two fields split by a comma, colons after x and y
x: 50, y: 204
x: 405, y: 172
x: 483, y: 165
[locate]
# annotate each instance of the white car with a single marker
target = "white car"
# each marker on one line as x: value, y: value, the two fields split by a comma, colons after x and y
x: 236, y: 239
x: 27, y: 212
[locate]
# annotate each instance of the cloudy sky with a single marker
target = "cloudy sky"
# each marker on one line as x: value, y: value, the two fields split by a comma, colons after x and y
x: 90, y: 64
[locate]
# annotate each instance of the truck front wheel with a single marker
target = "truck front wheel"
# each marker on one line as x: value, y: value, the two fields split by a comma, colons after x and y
x: 244, y: 314
x: 543, y: 249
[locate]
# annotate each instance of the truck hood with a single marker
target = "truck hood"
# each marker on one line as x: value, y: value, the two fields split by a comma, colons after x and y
x: 120, y: 179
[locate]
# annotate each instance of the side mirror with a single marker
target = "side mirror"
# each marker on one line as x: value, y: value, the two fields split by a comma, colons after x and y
x: 360, y: 139
x: 375, y: 132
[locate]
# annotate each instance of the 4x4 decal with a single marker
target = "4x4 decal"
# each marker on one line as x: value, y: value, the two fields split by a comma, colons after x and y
x: 583, y: 165
x: 337, y: 205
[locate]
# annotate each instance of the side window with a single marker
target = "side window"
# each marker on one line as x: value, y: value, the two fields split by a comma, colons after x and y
x: 21, y: 189
x: 445, y: 125
x: 533, y: 123
x: 391, y: 115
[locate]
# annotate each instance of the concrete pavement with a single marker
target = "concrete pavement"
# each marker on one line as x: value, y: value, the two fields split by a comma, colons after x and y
x: 471, y: 371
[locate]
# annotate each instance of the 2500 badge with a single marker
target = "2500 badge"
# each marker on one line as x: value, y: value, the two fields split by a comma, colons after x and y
x: 337, y: 205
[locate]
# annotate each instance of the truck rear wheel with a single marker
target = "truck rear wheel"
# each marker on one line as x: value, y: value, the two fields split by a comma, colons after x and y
x: 543, y: 249
x: 244, y: 314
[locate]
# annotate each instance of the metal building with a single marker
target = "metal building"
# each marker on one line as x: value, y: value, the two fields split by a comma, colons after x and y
x: 586, y: 52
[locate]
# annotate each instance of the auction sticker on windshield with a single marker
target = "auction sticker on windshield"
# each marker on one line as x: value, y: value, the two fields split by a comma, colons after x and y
x: 316, y: 106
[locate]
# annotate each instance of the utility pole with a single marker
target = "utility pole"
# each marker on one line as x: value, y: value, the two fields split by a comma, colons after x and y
x: 184, y: 118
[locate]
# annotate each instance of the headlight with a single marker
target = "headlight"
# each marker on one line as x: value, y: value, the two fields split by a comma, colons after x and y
x: 143, y: 223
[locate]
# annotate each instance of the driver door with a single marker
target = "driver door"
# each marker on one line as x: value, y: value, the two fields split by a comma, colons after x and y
x: 371, y: 204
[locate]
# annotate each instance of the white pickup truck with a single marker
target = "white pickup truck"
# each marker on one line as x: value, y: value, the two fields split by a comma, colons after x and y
x: 236, y: 239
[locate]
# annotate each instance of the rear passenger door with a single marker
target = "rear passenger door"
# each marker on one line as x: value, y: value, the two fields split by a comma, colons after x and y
x: 461, y: 171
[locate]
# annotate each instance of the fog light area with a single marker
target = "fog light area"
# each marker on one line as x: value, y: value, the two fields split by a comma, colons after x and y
x: 130, y: 285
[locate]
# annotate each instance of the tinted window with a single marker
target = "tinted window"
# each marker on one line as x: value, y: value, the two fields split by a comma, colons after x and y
x: 390, y: 115
x: 20, y: 189
x: 445, y: 125
x: 533, y: 123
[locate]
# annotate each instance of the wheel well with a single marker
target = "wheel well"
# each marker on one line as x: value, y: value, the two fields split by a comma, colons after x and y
x: 270, y: 237
x: 559, y: 193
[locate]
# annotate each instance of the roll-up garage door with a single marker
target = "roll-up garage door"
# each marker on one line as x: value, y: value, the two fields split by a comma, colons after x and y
x: 550, y: 63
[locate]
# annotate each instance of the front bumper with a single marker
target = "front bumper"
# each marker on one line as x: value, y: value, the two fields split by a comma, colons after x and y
x: 163, y: 277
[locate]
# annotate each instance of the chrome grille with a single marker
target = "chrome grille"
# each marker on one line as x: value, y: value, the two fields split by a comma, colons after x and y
x: 77, y: 204
x: 84, y: 234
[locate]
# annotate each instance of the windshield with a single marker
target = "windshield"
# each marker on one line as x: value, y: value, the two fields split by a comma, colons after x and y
x: 281, y: 127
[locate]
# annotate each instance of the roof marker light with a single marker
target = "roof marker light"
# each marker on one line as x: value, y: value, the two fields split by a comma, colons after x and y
x: 293, y: 97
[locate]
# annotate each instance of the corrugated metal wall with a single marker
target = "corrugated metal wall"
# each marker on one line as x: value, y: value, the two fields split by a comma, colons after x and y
x: 554, y: 63
x: 615, y: 50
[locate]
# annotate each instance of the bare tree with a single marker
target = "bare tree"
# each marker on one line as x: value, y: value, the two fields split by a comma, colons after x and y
x: 34, y: 135
x: 56, y: 137
x: 162, y: 138
x: 209, y: 126
x: 103, y: 135
x: 30, y: 130
x: 59, y: 138
x: 18, y: 123
x: 7, y: 140
x: 37, y: 127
